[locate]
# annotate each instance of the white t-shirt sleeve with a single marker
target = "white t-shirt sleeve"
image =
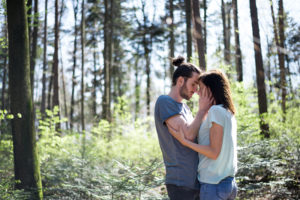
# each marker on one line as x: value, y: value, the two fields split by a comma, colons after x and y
x: 216, y: 115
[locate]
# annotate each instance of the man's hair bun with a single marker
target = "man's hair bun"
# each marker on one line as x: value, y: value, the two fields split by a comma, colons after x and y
x: 178, y: 61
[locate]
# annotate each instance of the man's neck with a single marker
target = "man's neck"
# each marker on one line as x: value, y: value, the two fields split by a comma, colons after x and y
x: 174, y: 94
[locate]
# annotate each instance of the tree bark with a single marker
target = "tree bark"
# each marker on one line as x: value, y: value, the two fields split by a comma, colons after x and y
x: 3, y: 102
x: 137, y: 86
x: 94, y: 94
x: 64, y: 88
x: 281, y: 57
x: 238, y: 54
x: 75, y: 9
x: 29, y: 19
x: 188, y: 29
x: 26, y: 165
x: 172, y: 38
x: 224, y: 27
x: 197, y: 33
x: 55, y: 62
x: 260, y: 74
x: 106, y: 112
x: 4, y: 78
x: 43, y: 103
x: 225, y: 10
x: 204, y: 28
x: 34, y: 44
x: 82, y: 64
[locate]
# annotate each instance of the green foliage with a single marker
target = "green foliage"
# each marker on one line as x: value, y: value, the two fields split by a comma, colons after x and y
x: 117, y: 160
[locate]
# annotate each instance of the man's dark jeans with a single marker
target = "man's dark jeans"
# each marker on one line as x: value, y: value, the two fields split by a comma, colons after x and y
x: 182, y: 193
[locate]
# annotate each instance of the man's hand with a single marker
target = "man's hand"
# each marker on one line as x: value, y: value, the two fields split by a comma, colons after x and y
x: 179, y: 135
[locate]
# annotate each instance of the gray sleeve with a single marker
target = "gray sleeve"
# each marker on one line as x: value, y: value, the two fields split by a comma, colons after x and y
x: 167, y: 108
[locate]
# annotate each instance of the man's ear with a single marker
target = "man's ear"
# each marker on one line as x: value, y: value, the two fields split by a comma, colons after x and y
x: 180, y: 81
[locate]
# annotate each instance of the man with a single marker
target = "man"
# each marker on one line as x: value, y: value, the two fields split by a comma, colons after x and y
x: 181, y: 162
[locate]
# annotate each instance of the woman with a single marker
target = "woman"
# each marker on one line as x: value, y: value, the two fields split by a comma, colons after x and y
x: 216, y: 141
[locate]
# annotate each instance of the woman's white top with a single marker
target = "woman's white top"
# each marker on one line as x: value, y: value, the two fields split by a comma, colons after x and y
x: 213, y: 171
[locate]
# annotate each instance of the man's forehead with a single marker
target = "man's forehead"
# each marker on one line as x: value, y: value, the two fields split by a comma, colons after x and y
x: 194, y: 79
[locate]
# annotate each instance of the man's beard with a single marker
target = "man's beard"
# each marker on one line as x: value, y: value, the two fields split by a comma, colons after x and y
x: 184, y: 92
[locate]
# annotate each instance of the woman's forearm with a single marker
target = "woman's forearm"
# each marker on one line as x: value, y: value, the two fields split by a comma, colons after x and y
x: 205, y: 150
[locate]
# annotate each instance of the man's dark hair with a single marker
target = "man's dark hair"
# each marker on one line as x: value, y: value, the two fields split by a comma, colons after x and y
x: 183, y: 69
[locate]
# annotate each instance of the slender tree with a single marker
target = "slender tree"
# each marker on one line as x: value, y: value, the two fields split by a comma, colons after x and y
x: 63, y: 86
x: 106, y: 103
x: 43, y: 103
x: 137, y: 91
x: 4, y: 76
x: 29, y: 19
x: 26, y: 165
x: 226, y: 19
x: 188, y: 18
x: 75, y: 9
x: 238, y: 54
x: 204, y: 26
x: 171, y: 36
x: 260, y: 73
x: 95, y: 82
x: 55, y: 61
x: 282, y: 56
x: 197, y: 33
x: 34, y: 43
x: 82, y: 64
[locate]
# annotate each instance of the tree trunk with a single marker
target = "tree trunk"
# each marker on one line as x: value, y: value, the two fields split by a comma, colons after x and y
x: 238, y: 54
x: 29, y: 18
x: 64, y: 88
x: 94, y: 92
x: 228, y: 32
x: 4, y: 78
x: 147, y: 57
x: 75, y: 9
x: 49, y: 103
x: 137, y: 86
x: 82, y: 64
x: 260, y: 74
x: 281, y: 57
x: 26, y: 165
x: 204, y: 28
x: 225, y: 10
x: 4, y: 83
x: 224, y: 27
x: 197, y: 33
x: 172, y: 38
x: 43, y: 103
x: 268, y: 68
x: 107, y: 63
x: 55, y: 62
x: 34, y: 44
x: 187, y: 4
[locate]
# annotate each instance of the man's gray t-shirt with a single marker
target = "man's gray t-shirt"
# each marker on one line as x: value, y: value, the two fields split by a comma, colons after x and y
x: 181, y: 162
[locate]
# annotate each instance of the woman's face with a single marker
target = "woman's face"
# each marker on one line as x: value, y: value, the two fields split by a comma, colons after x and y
x: 202, y: 88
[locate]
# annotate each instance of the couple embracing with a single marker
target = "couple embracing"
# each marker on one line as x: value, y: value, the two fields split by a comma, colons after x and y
x: 200, y: 154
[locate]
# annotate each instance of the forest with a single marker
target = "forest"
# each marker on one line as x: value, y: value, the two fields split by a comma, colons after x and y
x: 79, y: 80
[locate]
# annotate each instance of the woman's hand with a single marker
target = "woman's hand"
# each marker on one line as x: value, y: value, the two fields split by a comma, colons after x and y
x: 206, y: 99
x: 178, y: 134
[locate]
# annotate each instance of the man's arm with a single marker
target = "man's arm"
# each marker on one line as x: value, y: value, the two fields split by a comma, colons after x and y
x: 191, y: 129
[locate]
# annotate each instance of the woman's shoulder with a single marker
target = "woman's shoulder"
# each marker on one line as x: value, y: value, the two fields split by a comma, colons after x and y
x: 218, y: 109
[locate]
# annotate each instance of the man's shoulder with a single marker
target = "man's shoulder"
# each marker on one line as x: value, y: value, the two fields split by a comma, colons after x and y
x: 164, y: 99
